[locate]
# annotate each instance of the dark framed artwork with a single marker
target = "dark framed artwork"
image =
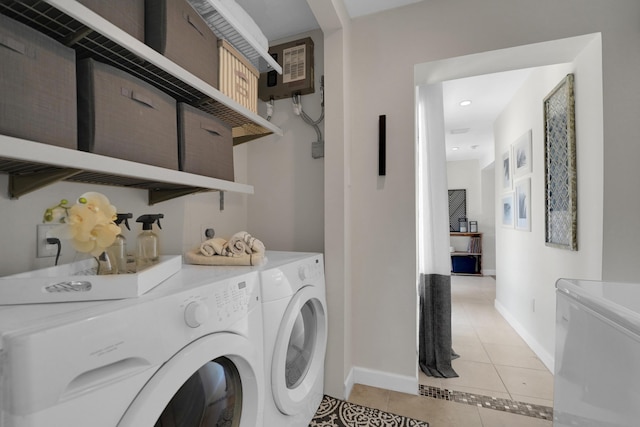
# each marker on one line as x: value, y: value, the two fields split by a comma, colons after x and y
x: 561, y: 204
x: 457, y: 208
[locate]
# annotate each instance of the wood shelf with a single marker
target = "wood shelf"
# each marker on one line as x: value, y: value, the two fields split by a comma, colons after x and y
x: 457, y: 266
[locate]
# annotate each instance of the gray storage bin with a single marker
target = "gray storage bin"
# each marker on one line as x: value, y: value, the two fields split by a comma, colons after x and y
x: 121, y: 116
x: 206, y: 143
x: 128, y: 15
x: 174, y: 28
x: 37, y: 86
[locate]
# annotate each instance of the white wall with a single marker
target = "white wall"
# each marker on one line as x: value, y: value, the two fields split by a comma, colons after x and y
x: 287, y: 210
x: 385, y: 48
x: 487, y: 221
x: 527, y: 268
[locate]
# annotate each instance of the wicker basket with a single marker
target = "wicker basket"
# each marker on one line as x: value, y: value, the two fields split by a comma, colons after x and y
x: 238, y: 77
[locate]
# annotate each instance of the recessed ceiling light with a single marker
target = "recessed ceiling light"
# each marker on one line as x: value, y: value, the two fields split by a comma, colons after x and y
x: 465, y: 103
x: 455, y: 148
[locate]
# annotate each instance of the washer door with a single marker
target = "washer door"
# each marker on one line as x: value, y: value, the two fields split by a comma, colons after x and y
x: 298, y: 358
x: 211, y: 382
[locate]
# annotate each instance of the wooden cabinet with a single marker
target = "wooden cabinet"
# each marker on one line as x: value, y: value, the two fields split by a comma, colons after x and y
x: 467, y: 262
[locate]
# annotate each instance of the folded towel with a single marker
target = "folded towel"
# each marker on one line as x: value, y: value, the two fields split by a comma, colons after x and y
x: 243, y: 243
x: 255, y: 245
x: 212, y: 247
x: 235, y: 246
x: 195, y: 257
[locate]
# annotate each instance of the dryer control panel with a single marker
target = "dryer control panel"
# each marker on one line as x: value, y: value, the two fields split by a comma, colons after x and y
x: 233, y: 299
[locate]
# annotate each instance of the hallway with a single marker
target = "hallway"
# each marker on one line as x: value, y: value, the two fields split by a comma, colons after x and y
x: 499, y: 375
x: 494, y: 360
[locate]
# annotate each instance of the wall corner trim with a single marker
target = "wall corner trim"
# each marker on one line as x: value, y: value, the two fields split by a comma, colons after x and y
x: 380, y: 379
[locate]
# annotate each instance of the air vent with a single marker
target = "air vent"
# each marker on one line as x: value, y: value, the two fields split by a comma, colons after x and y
x: 459, y: 131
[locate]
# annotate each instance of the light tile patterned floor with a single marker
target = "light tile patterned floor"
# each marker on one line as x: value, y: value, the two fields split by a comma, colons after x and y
x: 494, y: 362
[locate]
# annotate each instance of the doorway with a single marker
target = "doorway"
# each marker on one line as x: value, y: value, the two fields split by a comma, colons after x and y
x: 530, y: 310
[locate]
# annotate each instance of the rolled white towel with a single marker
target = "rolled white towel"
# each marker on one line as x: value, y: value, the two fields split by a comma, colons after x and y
x: 252, y: 245
x: 195, y: 257
x: 236, y: 245
x: 243, y: 243
x: 234, y: 249
x: 212, y: 247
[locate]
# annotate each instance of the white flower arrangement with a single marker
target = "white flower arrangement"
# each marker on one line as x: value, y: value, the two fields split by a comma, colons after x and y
x: 89, y: 224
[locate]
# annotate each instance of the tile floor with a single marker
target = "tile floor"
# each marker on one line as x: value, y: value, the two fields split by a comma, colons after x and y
x: 494, y: 361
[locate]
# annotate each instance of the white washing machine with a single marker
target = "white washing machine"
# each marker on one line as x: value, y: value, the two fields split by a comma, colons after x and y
x: 295, y: 336
x: 188, y: 353
x: 597, y: 353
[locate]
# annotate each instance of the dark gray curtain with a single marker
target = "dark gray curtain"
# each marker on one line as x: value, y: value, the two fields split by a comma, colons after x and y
x: 435, y: 350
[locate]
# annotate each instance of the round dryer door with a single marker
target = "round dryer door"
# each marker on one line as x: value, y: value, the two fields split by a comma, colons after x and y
x: 212, y: 382
x: 298, y: 358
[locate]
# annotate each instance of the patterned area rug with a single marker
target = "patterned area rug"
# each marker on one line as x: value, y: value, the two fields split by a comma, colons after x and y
x: 338, y: 413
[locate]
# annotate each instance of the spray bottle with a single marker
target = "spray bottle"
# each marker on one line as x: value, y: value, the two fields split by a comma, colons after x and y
x: 147, y: 252
x: 118, y: 251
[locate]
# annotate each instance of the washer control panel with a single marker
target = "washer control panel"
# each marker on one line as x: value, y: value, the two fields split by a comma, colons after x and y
x: 222, y: 303
x: 232, y: 300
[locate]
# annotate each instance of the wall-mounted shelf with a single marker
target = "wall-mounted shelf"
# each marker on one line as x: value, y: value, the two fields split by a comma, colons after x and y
x: 74, y: 25
x: 226, y: 26
x: 32, y: 165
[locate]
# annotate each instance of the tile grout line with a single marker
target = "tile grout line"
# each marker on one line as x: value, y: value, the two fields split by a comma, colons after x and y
x: 469, y: 311
x: 488, y: 402
x: 504, y: 384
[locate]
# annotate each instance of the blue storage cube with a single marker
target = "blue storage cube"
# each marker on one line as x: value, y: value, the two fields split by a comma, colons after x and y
x: 467, y: 264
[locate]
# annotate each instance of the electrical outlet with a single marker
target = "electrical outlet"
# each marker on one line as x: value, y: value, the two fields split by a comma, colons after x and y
x: 44, y: 249
x: 206, y: 232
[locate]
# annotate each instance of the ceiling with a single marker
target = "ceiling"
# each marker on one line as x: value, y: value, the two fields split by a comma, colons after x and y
x: 469, y: 129
x: 279, y: 19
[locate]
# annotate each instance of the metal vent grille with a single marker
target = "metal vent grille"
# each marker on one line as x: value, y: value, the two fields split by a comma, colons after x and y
x: 18, y: 167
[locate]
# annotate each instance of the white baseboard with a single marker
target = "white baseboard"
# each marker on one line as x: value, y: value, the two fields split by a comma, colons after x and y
x: 348, y: 384
x: 380, y: 379
x: 545, y: 357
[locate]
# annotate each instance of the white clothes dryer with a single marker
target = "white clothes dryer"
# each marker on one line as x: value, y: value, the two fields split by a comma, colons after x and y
x: 187, y: 353
x: 295, y: 336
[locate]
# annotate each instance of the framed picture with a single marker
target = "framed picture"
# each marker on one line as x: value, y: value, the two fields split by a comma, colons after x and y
x: 522, y: 161
x: 457, y: 208
x: 561, y: 211
x: 506, y: 171
x: 523, y: 204
x: 507, y: 210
